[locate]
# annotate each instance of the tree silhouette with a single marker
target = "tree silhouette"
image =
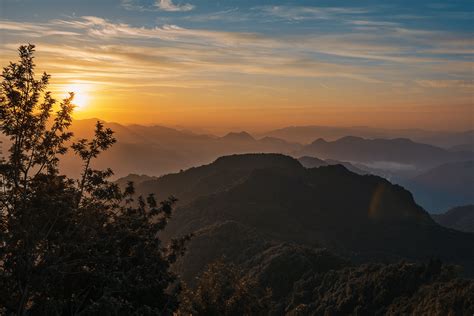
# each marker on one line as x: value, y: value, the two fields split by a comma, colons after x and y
x: 72, y: 246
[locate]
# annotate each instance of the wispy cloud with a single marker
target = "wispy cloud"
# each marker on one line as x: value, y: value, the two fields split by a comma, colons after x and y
x: 168, y: 5
x: 180, y: 55
x: 155, y: 5
x: 34, y: 29
x: 172, y: 57
x: 440, y: 84
x: 373, y: 23
x: 300, y: 13
x: 229, y: 15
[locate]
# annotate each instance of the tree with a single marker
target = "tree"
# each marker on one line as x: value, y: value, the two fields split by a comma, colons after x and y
x: 223, y: 289
x: 72, y: 246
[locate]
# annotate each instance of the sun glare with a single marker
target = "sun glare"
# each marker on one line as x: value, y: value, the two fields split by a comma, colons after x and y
x: 81, y: 94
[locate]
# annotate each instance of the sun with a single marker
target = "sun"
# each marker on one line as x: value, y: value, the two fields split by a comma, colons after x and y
x: 82, y: 92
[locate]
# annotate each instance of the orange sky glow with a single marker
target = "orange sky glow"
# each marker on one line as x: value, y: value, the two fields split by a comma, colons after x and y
x: 217, y: 71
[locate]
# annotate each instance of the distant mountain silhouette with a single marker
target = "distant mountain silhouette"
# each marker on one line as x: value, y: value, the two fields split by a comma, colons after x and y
x: 444, y: 186
x: 307, y: 134
x: 362, y: 217
x: 400, y: 153
x: 157, y: 150
x: 313, y: 162
x: 460, y: 218
x: 240, y: 137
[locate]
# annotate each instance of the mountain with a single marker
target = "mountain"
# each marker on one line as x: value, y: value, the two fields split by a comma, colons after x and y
x: 361, y: 217
x: 444, y: 186
x: 399, y: 154
x: 157, y: 150
x: 313, y: 162
x: 218, y: 176
x: 306, y: 134
x: 356, y: 168
x: 313, y: 281
x: 161, y: 150
x: 239, y: 137
x: 460, y: 218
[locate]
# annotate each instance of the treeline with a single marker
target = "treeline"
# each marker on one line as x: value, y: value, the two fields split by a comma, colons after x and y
x: 370, y: 289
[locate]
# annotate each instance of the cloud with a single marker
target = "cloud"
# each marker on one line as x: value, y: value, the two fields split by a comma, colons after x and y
x: 168, y: 5
x: 443, y: 84
x: 174, y: 56
x: 154, y: 5
x: 231, y: 15
x: 300, y: 13
x: 34, y: 30
x: 373, y: 23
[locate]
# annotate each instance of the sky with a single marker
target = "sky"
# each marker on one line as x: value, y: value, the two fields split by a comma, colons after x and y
x: 254, y: 65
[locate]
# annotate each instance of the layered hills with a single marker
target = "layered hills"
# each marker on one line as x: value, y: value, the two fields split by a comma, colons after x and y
x: 400, y: 153
x: 272, y: 199
x: 307, y: 134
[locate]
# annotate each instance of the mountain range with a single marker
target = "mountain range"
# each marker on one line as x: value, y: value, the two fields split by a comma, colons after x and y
x: 307, y: 134
x: 159, y: 150
x: 241, y: 204
x: 162, y: 150
x: 398, y: 154
x: 313, y: 162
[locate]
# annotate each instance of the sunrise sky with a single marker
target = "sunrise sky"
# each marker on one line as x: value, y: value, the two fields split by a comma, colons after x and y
x: 254, y: 64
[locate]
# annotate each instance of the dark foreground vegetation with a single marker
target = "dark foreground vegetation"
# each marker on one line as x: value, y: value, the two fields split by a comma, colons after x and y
x: 270, y: 237
x: 69, y: 246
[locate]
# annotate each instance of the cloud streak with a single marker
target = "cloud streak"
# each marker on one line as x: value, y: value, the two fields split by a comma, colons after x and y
x: 168, y: 5
x: 302, y: 13
x: 156, y: 5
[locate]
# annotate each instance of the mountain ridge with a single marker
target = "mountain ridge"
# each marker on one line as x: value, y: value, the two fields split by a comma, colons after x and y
x: 286, y: 202
x: 397, y: 150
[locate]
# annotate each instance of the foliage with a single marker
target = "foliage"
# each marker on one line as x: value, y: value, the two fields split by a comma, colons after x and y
x: 379, y: 289
x: 223, y: 289
x: 72, y: 246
